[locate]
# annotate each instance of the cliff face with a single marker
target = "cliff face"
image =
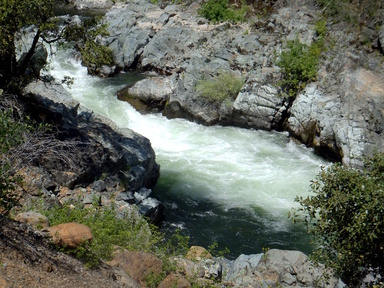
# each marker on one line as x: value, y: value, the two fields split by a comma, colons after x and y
x: 340, y: 114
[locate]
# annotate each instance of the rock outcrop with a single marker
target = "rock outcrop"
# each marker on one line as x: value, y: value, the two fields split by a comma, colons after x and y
x: 174, y: 41
x: 122, y: 157
x: 280, y: 268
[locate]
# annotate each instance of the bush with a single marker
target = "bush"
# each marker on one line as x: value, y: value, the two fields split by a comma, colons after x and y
x: 346, y: 218
x: 219, y: 11
x: 109, y: 228
x: 299, y: 65
x: 112, y: 228
x: 224, y: 86
x: 12, y: 133
x: 351, y: 11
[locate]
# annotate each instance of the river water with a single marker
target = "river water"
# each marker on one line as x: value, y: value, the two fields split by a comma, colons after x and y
x: 219, y: 184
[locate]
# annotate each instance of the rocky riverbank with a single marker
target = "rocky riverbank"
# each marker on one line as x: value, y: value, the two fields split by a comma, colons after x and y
x: 340, y: 114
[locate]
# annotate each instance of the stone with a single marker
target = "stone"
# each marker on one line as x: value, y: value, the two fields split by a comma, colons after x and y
x: 92, y: 4
x: 174, y: 280
x: 198, y: 253
x: 150, y: 94
x: 138, y: 265
x: 99, y: 186
x: 127, y: 156
x: 70, y: 235
x: 34, y: 219
x: 126, y: 197
x: 153, y: 209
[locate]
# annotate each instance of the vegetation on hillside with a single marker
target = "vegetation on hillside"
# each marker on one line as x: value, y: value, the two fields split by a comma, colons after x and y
x: 299, y: 62
x: 224, y: 86
x: 345, y: 216
x: 353, y: 11
x: 220, y: 11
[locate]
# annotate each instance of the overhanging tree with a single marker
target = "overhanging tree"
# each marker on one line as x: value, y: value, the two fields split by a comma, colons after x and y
x: 14, y: 15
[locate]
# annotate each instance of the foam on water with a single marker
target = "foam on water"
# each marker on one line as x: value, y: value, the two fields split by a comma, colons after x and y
x: 213, y: 173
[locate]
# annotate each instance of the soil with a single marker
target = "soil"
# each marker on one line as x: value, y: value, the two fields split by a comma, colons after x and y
x: 28, y: 259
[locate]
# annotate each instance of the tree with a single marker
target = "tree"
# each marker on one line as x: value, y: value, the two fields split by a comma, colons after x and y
x: 346, y: 218
x: 15, y: 14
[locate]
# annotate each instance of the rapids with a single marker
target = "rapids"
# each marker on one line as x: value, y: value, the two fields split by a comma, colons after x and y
x: 219, y: 184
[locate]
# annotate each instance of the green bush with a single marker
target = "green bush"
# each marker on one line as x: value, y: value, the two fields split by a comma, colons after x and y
x: 299, y: 65
x: 109, y: 228
x: 12, y: 133
x: 224, y: 86
x: 220, y: 10
x: 346, y: 218
x: 351, y: 11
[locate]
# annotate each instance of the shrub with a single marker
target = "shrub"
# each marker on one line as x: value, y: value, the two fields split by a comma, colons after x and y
x: 224, y: 86
x: 220, y: 10
x: 299, y: 65
x: 109, y: 228
x: 346, y: 218
x: 351, y: 11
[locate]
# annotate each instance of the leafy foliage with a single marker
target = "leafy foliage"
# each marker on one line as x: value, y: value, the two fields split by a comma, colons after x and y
x: 352, y: 11
x: 224, y: 86
x: 87, y: 37
x: 346, y: 218
x: 15, y: 14
x: 299, y: 65
x: 111, y: 229
x: 12, y: 133
x: 220, y: 11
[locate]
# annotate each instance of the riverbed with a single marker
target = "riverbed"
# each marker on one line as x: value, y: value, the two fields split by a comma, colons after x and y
x: 219, y: 184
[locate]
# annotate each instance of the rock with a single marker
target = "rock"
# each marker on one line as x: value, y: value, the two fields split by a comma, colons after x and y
x: 3, y: 282
x: 203, y: 268
x: 198, y: 253
x: 279, y: 267
x: 174, y: 280
x: 257, y: 106
x: 381, y: 39
x: 92, y: 4
x: 138, y: 265
x: 70, y: 235
x: 153, y: 209
x: 149, y: 95
x: 346, y: 126
x: 125, y: 155
x: 126, y: 197
x: 99, y: 186
x: 34, y: 219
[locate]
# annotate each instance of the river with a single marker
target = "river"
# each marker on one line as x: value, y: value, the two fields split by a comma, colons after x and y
x: 219, y: 184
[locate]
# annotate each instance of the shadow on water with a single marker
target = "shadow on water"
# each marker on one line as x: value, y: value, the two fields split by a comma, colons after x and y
x: 244, y: 230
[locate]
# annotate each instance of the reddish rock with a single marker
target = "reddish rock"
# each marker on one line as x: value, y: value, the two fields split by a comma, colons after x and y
x: 70, y: 234
x: 138, y: 265
x: 174, y: 280
x: 198, y: 253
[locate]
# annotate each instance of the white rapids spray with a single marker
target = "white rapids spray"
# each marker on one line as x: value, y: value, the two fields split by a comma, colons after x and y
x: 231, y: 167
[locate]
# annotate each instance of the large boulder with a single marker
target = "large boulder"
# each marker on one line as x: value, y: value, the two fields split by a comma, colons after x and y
x: 138, y: 265
x: 122, y: 153
x: 149, y: 95
x: 70, y: 235
x: 257, y: 106
x: 346, y: 124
